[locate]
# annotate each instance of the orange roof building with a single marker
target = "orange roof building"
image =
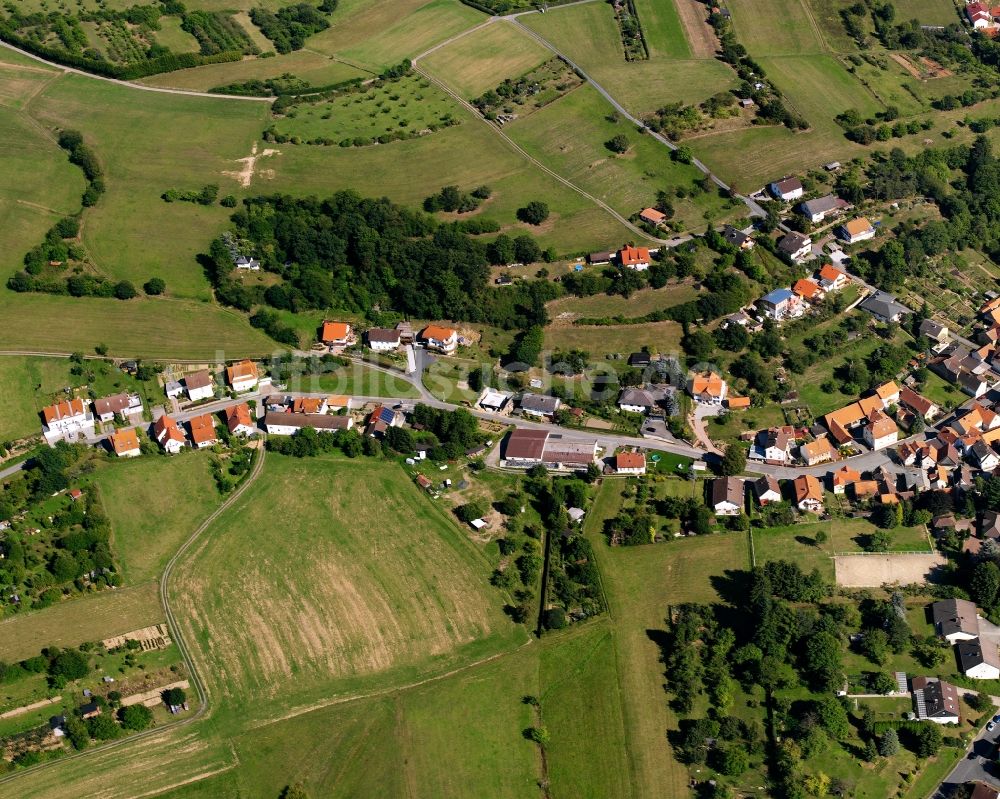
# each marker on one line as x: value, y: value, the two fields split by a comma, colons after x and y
x: 308, y: 405
x: 242, y: 376
x: 336, y: 333
x: 807, y: 290
x: 888, y: 392
x: 652, y: 216
x: 443, y: 339
x: 708, y: 388
x: 738, y: 402
x: 125, y: 443
x: 630, y: 463
x: 831, y: 277
x: 203, y: 431
x: 843, y: 477
x: 338, y: 401
x: 634, y: 257
x: 62, y: 412
x: 808, y: 492
x: 238, y: 419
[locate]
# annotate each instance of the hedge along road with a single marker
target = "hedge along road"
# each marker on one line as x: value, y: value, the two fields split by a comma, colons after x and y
x: 182, y: 646
x: 130, y: 84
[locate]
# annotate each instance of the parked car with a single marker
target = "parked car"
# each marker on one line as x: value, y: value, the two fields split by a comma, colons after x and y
x: 991, y: 726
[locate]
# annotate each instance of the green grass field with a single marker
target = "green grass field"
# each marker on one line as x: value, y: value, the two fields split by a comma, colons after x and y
x: 776, y: 27
x: 589, y: 35
x: 928, y: 12
x: 482, y: 59
x: 372, y: 599
x: 171, y: 36
x: 154, y: 504
x: 641, y: 302
x: 89, y: 618
x: 20, y: 417
x: 569, y: 135
x: 658, y: 336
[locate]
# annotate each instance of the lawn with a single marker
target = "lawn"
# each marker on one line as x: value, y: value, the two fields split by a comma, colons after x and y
x: 641, y: 302
x: 588, y: 34
x: 928, y: 12
x: 154, y: 504
x: 482, y: 59
x: 89, y: 618
x: 411, y: 104
x: 376, y: 600
x: 171, y: 36
x: 20, y: 416
x: 361, y: 381
x: 569, y: 136
x: 663, y: 337
x: 776, y: 27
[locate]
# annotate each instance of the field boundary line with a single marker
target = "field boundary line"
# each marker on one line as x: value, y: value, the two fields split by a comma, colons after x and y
x: 890, y: 552
x: 455, y: 38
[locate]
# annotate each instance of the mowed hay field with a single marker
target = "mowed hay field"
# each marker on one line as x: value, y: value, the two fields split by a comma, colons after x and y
x: 568, y: 135
x: 331, y: 575
x: 589, y: 35
x: 776, y: 27
x: 20, y: 416
x: 74, y: 621
x: 641, y: 583
x: 600, y: 340
x: 482, y: 59
x: 154, y: 504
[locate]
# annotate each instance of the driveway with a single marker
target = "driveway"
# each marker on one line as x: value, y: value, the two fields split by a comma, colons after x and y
x: 979, y: 763
x: 989, y: 632
x: 701, y: 412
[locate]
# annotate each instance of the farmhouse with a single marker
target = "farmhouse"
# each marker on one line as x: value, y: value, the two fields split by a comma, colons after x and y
x: 737, y: 238
x: 441, y: 339
x: 630, y: 463
x: 203, y: 431
x: 808, y: 493
x: 831, y: 278
x: 239, y: 421
x: 856, y: 230
x: 796, y: 246
x: 725, y: 495
x: 540, y: 405
x: 66, y: 416
x: 978, y: 659
x: 168, y: 435
x: 525, y: 448
x: 787, y: 189
x: 636, y: 258
x: 125, y: 443
x: 381, y: 339
x: 781, y: 304
x: 123, y: 405
x: 285, y: 424
x: 242, y: 376
x: 935, y: 700
x: 818, y: 451
x: 819, y: 209
x: 199, y: 385
x: 955, y: 620
x: 652, y: 217
x: 766, y: 490
x: 337, y: 335
x: 707, y: 388
x: 883, y: 306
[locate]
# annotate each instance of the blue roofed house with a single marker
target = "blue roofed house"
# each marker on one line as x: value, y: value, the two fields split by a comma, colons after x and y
x: 781, y: 304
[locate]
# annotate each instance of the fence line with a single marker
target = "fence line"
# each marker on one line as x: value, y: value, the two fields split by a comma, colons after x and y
x: 893, y: 552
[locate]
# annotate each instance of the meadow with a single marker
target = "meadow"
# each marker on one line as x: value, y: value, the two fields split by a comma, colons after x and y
x: 776, y: 27
x: 370, y: 599
x: 482, y: 59
x: 602, y: 340
x: 641, y: 302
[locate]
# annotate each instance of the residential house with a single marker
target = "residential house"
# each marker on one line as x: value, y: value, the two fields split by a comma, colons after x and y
x: 652, y: 217
x: 383, y: 417
x: 203, y: 431
x: 125, y: 443
x: 787, y: 189
x: 808, y: 290
x: 831, y: 278
x: 936, y: 332
x: 979, y: 659
x: 381, y: 339
x: 726, y: 496
x: 338, y: 402
x: 337, y: 335
x: 440, y: 338
x: 983, y: 791
x: 781, y: 304
x: 630, y: 463
x: 918, y: 403
x: 979, y: 15
x: 819, y: 451
x: 173, y: 389
x: 737, y: 238
x: 640, y: 400
x: 766, y: 490
x: 122, y: 405
x: 972, y: 384
x: 285, y: 424
x: 707, y: 388
x: 796, y: 246
x: 843, y: 477
x: 856, y: 230
x: 773, y: 445
x: 310, y: 404
x: 540, y: 405
x: 935, y: 700
x: 888, y: 393
x: 89, y: 710
x: 808, y: 493
x: 955, y: 619
x: 819, y: 209
x: 881, y: 430
x: 168, y: 435
x: 495, y: 401
x: 884, y: 307
x: 239, y: 421
x: 246, y: 263
x: 199, y: 385
x: 636, y: 258
x: 984, y: 456
x: 67, y: 416
x: 242, y: 376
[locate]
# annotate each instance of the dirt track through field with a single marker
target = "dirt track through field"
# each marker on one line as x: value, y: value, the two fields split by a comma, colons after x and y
x: 872, y: 571
x: 699, y: 34
x: 245, y: 176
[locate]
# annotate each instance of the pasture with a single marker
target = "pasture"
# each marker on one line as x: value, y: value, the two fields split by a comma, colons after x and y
x: 569, y: 136
x: 589, y: 35
x: 776, y: 28
x: 73, y: 621
x: 154, y: 504
x: 482, y: 59
x: 661, y: 26
x: 371, y: 584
